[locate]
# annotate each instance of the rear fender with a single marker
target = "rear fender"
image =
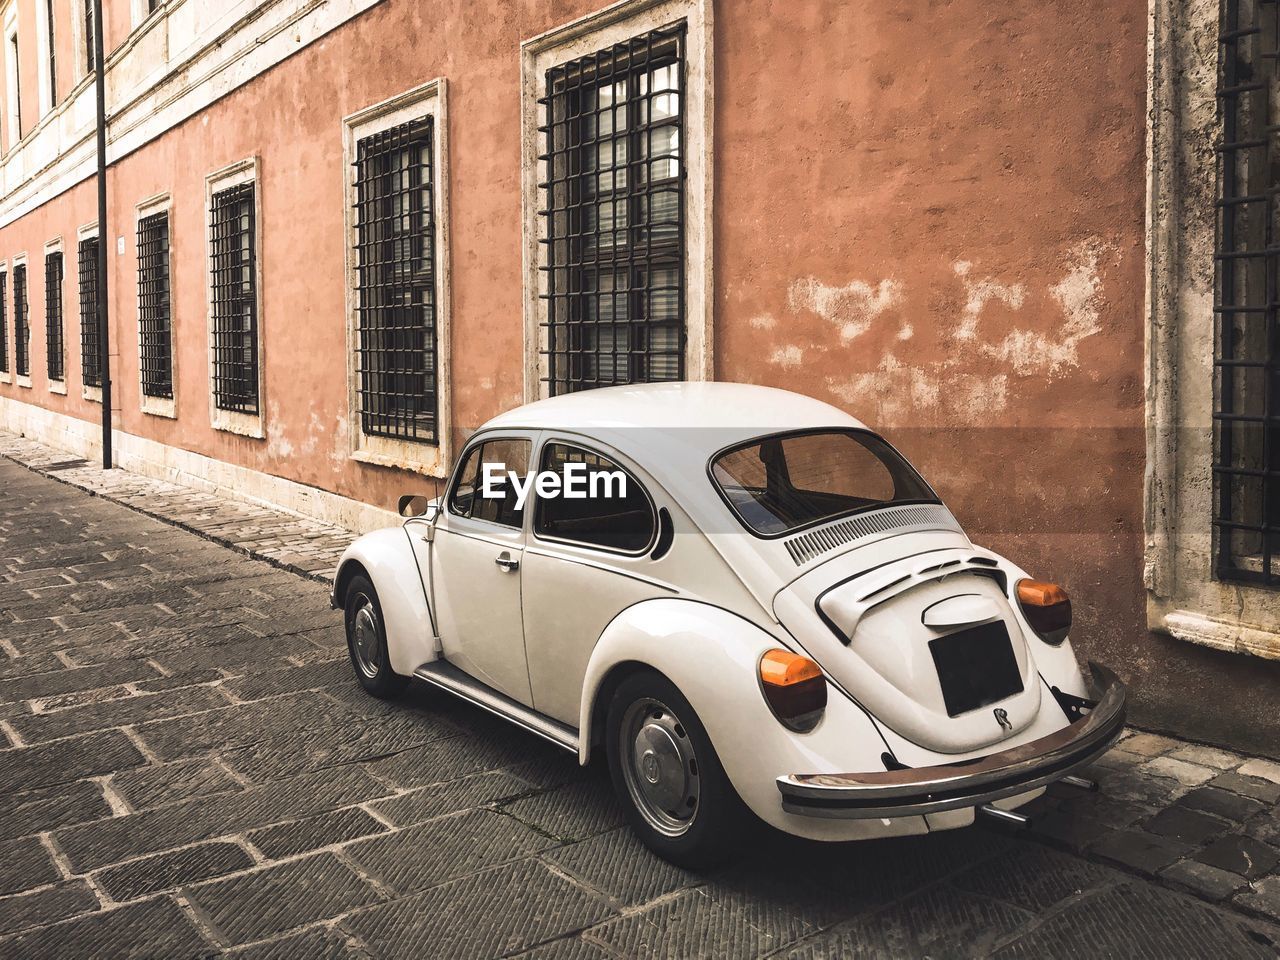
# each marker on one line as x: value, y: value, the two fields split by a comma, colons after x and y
x: 387, y: 557
x: 713, y: 657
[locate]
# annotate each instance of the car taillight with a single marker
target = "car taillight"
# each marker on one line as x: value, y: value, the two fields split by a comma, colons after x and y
x: 794, y: 688
x: 1047, y: 609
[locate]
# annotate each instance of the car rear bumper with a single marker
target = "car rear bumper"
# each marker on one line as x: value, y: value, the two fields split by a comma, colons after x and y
x: 915, y: 791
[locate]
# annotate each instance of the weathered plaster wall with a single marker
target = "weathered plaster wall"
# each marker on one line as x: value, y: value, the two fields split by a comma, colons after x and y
x: 930, y: 214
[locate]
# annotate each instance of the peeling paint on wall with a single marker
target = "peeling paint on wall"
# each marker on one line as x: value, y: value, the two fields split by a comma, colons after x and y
x: 787, y: 357
x: 980, y: 292
x: 852, y: 308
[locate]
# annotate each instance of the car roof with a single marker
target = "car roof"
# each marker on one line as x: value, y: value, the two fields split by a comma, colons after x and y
x: 740, y: 410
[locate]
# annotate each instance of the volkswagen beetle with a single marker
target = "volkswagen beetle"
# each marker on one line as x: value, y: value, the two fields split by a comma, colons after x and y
x: 745, y: 600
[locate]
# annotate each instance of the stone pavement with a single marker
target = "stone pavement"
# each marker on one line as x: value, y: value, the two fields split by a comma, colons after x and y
x: 192, y: 771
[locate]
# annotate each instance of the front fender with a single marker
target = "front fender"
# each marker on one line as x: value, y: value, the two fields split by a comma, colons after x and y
x: 387, y: 557
x: 713, y: 656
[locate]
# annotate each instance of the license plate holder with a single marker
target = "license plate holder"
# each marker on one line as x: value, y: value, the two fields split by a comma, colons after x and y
x: 976, y: 667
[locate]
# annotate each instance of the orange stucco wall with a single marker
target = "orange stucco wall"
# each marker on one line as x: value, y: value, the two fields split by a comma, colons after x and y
x: 929, y: 214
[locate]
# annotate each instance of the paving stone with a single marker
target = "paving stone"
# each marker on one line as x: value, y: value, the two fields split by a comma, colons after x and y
x: 118, y: 713
x: 188, y: 678
x: 49, y: 905
x: 1248, y: 857
x: 437, y: 800
x: 621, y: 866
x: 255, y: 906
x: 166, y: 644
x: 155, y: 786
x: 25, y: 864
x: 1223, y: 803
x: 1187, y: 825
x: 98, y: 633
x: 1209, y: 882
x: 1187, y: 774
x: 27, y: 768
x: 572, y: 812
x: 30, y: 665
x: 1253, y: 787
x: 568, y: 948
x: 139, y: 878
x: 1207, y: 756
x: 432, y: 853
x: 1033, y: 879
x: 1263, y: 896
x: 110, y: 841
x: 301, y: 836
x: 276, y: 682
x: 67, y: 681
x: 1143, y: 852
x: 34, y: 811
x: 433, y: 762
x: 525, y: 904
x: 151, y: 929
x: 81, y: 698
x: 1265, y: 827
x: 1148, y: 744
x: 1076, y: 831
x: 1263, y: 769
x: 1139, y: 921
x: 314, y: 944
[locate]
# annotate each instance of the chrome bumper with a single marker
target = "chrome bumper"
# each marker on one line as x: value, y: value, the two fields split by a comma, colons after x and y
x: 915, y: 791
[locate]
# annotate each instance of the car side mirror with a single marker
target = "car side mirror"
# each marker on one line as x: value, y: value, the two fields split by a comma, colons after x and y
x: 416, y: 505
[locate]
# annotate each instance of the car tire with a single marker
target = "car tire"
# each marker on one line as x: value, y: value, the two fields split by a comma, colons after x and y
x: 677, y: 797
x: 367, y: 641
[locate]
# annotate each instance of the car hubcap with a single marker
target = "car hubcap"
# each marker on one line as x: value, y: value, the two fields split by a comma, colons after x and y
x: 660, y: 767
x: 364, y: 637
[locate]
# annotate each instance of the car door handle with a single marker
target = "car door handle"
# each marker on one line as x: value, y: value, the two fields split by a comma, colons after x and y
x: 504, y: 562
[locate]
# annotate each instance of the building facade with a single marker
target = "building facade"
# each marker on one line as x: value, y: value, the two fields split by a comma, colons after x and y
x: 341, y: 236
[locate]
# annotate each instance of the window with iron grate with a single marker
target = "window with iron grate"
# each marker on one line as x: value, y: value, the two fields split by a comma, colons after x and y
x: 155, y: 324
x: 614, y: 215
x: 53, y: 315
x: 1247, y: 326
x: 90, y: 362
x: 4, y: 322
x: 234, y: 300
x: 396, y: 291
x: 21, y: 323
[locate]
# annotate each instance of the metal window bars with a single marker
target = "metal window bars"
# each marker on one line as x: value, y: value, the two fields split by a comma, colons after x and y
x: 613, y: 207
x: 155, y: 322
x: 395, y: 278
x: 1247, y: 327
x: 87, y: 259
x: 54, y: 339
x: 4, y: 322
x: 21, y: 323
x: 234, y: 300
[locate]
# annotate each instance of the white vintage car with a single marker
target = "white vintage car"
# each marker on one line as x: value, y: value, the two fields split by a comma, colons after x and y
x: 774, y: 613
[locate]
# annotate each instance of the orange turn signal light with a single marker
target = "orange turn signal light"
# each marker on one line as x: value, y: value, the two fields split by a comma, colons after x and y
x: 1047, y: 609
x: 794, y: 688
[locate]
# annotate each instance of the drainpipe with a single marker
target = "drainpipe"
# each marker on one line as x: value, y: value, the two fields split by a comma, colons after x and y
x: 104, y: 348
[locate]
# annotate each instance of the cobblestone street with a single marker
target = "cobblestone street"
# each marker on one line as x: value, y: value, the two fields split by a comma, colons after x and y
x: 190, y: 769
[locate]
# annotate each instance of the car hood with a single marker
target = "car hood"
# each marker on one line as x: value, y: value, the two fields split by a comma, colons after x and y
x: 913, y: 628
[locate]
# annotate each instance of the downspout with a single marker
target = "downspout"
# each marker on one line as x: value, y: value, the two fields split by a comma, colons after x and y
x: 104, y: 347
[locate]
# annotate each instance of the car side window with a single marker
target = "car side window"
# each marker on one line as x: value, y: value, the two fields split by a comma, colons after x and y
x: 599, y: 503
x: 497, y: 459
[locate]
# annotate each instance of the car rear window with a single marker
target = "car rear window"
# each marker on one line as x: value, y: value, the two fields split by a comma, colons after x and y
x: 787, y: 481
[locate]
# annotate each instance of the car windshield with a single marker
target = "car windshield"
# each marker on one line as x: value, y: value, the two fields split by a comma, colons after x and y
x: 788, y: 481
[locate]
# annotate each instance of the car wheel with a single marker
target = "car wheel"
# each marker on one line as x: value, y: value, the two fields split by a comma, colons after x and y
x: 367, y: 641
x: 677, y: 796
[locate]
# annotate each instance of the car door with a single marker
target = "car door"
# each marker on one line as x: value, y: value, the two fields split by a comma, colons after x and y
x: 589, y: 558
x: 475, y: 570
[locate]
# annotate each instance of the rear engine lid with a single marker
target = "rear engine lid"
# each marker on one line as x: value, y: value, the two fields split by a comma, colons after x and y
x: 927, y: 643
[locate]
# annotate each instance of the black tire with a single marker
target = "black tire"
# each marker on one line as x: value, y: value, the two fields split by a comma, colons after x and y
x: 368, y: 651
x: 703, y: 832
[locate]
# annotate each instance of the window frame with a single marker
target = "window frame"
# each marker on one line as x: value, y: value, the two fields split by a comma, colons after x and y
x: 455, y: 476
x: 46, y: 54
x: 87, y: 232
x: 582, y: 37
x: 584, y: 447
x: 233, y: 175
x: 20, y: 261
x: 162, y: 204
x: 6, y: 374
x: 430, y: 459
x: 12, y: 77
x: 54, y: 248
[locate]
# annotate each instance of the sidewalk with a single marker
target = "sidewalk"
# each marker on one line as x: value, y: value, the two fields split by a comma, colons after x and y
x: 186, y: 740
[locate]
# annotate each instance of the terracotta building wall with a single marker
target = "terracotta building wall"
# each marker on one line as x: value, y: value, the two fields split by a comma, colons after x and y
x: 928, y: 214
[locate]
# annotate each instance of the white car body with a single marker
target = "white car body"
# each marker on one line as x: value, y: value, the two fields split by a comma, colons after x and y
x: 544, y: 641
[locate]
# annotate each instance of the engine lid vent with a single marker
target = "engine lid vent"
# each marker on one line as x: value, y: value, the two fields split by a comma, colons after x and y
x: 811, y: 544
